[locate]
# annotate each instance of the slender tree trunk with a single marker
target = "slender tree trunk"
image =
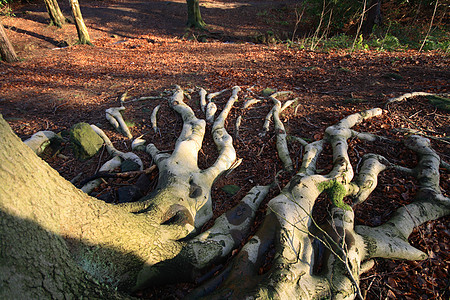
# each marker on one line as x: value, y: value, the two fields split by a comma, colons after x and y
x: 373, y: 17
x: 194, y: 17
x: 7, y: 52
x: 56, y: 16
x: 83, y: 35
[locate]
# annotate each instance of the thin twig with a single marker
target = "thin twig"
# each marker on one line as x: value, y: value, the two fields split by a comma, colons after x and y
x: 118, y: 175
x: 360, y: 25
x: 431, y: 24
x: 100, y: 159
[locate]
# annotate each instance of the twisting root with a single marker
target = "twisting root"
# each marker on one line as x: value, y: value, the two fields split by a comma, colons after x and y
x: 250, y: 102
x: 109, y: 166
x: 213, y: 95
x: 406, y: 96
x: 237, y: 127
x: 390, y: 240
x: 223, y: 141
x: 138, y: 144
x: 246, y: 105
x: 113, y: 163
x: 114, y: 152
x: 288, y: 224
x: 202, y: 94
x: 114, y: 117
x: 282, y: 148
x: 213, y: 245
x: 268, y: 117
x: 211, y: 109
x: 39, y: 141
x: 153, y: 118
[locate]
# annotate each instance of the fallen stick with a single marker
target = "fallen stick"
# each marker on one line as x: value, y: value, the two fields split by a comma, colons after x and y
x: 119, y: 175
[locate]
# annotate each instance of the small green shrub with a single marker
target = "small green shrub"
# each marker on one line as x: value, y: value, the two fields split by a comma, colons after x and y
x: 340, y: 41
x: 386, y: 43
x: 440, y: 102
x: 5, y: 8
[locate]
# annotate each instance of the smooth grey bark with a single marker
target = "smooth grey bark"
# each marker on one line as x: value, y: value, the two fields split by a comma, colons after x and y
x: 36, y: 225
x: 194, y: 16
x: 97, y: 246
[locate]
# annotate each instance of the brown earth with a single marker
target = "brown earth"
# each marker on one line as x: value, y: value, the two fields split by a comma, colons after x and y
x: 140, y: 49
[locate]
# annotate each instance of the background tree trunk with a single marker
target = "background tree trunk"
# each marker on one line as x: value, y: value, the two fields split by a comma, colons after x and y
x: 373, y: 17
x: 7, y: 52
x: 56, y: 16
x: 83, y: 35
x: 194, y: 17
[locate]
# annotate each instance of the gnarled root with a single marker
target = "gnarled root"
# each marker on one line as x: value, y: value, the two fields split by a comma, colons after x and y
x: 40, y: 140
x: 114, y: 117
x: 312, y: 262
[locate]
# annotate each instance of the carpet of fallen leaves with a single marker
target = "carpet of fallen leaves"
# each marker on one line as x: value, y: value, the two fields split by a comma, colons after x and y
x: 139, y: 49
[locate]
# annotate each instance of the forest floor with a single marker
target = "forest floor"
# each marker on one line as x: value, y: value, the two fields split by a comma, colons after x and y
x: 141, y: 47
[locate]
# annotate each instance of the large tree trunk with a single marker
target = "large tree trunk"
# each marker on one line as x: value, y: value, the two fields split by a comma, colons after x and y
x: 58, y: 241
x: 83, y: 35
x: 69, y: 238
x: 7, y: 52
x: 194, y: 17
x: 56, y: 16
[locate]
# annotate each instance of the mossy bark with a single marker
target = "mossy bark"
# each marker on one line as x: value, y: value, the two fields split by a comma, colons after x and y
x: 83, y: 35
x: 194, y: 16
x: 54, y: 235
x: 7, y: 52
x: 56, y: 16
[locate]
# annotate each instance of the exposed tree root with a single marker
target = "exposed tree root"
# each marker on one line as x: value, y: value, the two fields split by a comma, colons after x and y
x: 282, y: 147
x: 271, y: 112
x: 311, y: 260
x: 39, y: 141
x: 153, y: 119
x: 406, y: 96
x: 114, y: 117
x: 290, y: 227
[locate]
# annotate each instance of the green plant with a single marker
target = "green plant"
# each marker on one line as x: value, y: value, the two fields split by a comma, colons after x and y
x: 339, y: 41
x: 440, y: 102
x: 5, y: 7
x: 263, y: 13
x: 359, y: 43
x: 4, y: 2
x: 437, y: 42
x: 343, y: 14
x: 130, y: 123
x: 388, y: 42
